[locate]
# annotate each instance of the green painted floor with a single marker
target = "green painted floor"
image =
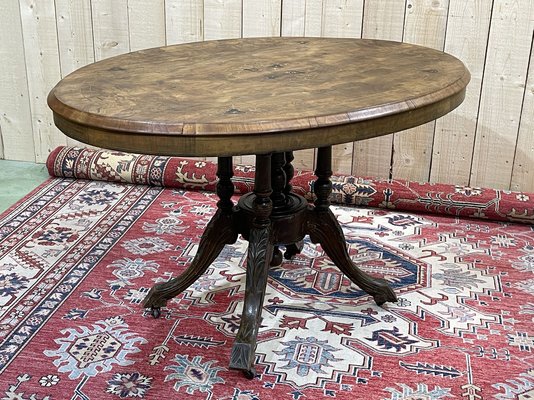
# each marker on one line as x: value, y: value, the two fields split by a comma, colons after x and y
x: 17, y: 179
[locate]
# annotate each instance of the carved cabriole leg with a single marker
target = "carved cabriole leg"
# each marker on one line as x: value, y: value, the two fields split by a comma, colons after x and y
x: 324, y: 229
x: 260, y: 250
x: 220, y: 231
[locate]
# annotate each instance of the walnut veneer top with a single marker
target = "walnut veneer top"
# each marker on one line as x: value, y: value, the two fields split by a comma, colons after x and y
x: 249, y: 96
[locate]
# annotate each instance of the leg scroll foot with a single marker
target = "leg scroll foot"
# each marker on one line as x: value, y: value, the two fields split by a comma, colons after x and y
x: 324, y: 229
x: 220, y: 231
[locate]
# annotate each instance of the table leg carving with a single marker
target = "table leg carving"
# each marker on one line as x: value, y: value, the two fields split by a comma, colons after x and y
x: 324, y: 229
x: 260, y: 252
x: 221, y: 230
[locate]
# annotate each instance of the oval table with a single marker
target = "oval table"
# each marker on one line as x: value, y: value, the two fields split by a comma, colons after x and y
x: 267, y: 97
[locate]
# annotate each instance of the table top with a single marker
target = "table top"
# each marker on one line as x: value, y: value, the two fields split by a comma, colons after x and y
x: 251, y: 96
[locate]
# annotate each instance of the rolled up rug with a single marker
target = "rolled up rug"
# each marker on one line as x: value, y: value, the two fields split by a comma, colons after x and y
x: 176, y: 172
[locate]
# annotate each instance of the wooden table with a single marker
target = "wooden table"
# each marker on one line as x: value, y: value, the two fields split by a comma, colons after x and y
x: 266, y: 97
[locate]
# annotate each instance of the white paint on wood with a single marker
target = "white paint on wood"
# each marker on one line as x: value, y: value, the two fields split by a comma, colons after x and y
x: 16, y: 136
x: 502, y: 92
x: 75, y: 38
x: 110, y: 28
x: 184, y: 21
x: 261, y: 18
x: 425, y: 24
x: 523, y: 171
x: 43, y: 70
x: 342, y: 18
x: 222, y: 19
x: 75, y: 34
x: 467, y: 35
x: 293, y: 18
x: 383, y: 19
x: 146, y: 19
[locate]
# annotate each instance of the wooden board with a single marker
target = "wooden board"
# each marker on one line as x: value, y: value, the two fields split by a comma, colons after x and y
x: 523, y: 171
x: 261, y: 18
x: 184, y: 21
x: 381, y: 20
x: 110, y: 28
x: 467, y: 33
x: 75, y: 38
x: 16, y: 139
x: 41, y: 51
x: 501, y: 100
x: 222, y: 19
x: 425, y: 24
x: 146, y: 23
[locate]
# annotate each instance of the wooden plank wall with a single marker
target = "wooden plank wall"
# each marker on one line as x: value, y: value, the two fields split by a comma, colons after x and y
x: 488, y: 141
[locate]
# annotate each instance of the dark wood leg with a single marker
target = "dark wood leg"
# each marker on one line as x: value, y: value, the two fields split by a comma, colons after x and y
x: 260, y: 251
x: 219, y: 232
x: 293, y: 249
x: 324, y: 229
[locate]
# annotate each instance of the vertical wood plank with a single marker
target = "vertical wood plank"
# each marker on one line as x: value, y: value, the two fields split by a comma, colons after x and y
x: 425, y: 24
x: 467, y: 35
x: 383, y: 19
x: 313, y: 13
x: 523, y: 169
x: 261, y: 18
x: 293, y: 18
x: 184, y: 21
x: 16, y: 136
x: 342, y: 18
x: 43, y: 70
x: 75, y: 39
x: 75, y: 34
x: 110, y: 28
x: 502, y: 92
x: 146, y: 20
x: 222, y: 19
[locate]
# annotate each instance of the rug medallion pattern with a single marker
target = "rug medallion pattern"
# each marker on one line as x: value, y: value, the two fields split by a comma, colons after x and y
x: 77, y: 257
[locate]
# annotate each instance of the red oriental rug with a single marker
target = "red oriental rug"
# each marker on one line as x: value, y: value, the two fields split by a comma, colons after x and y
x: 77, y: 256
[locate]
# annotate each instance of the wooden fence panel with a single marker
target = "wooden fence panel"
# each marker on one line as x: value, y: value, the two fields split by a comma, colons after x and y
x: 110, y: 28
x: 75, y: 38
x: 381, y: 20
x: 184, y: 21
x: 16, y: 131
x: 523, y: 170
x: 146, y: 19
x: 425, y: 24
x: 222, y: 19
x: 502, y: 92
x: 467, y: 34
x: 42, y: 56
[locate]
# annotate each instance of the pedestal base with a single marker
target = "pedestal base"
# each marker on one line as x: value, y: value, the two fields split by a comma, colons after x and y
x: 268, y: 224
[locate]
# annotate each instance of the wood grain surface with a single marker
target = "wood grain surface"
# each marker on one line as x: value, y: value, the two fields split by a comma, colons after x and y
x: 250, y: 96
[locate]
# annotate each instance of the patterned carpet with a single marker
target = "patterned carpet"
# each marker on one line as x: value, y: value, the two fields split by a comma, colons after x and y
x: 77, y: 257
